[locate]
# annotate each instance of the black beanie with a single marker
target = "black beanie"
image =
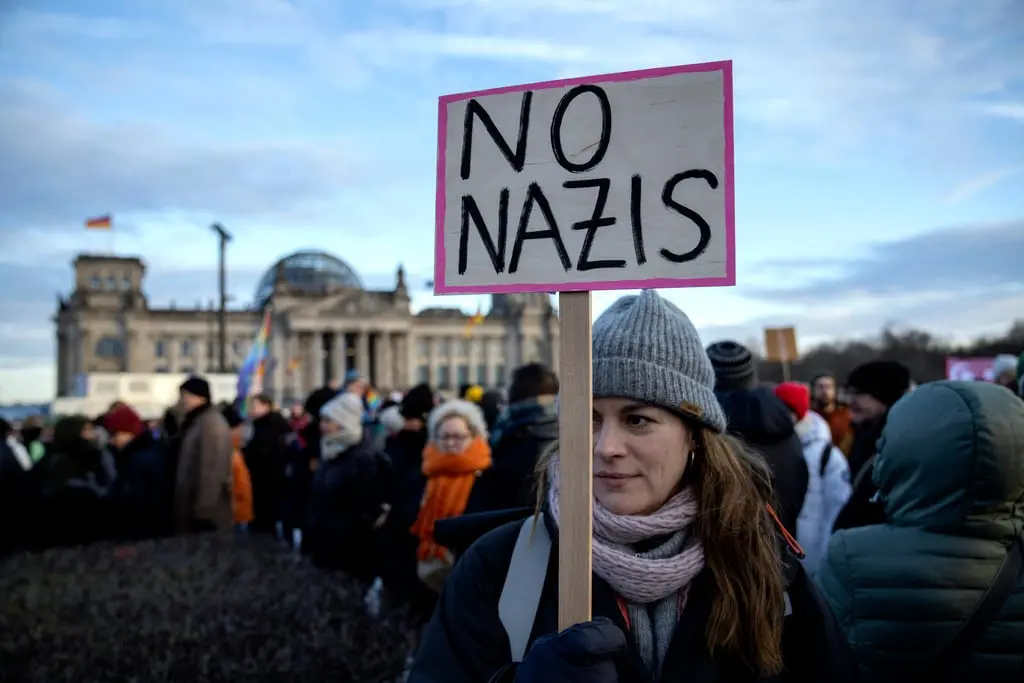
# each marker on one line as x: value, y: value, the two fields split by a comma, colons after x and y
x: 733, y: 365
x: 232, y: 416
x: 197, y: 386
x: 417, y: 402
x: 885, y: 380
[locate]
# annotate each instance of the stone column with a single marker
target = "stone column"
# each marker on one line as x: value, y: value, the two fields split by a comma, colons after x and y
x: 404, y: 362
x: 473, y: 357
x: 77, y: 355
x: 340, y: 355
x: 363, y: 353
x: 317, y: 355
x: 171, y: 351
x: 432, y: 360
x: 278, y: 351
x: 487, y: 358
x: 385, y: 374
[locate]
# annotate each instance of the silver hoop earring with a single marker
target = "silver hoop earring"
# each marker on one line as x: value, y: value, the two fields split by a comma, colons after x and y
x: 689, y: 460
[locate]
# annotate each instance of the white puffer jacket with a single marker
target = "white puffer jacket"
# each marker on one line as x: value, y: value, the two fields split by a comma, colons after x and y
x: 826, y: 493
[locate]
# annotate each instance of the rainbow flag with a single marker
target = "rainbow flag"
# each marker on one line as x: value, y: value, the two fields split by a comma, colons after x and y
x: 254, y: 369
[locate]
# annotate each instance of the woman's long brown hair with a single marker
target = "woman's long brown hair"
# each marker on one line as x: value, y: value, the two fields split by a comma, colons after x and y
x: 741, y: 548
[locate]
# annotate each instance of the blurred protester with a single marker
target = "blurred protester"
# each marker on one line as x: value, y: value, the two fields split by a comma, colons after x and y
x: 758, y: 416
x: 873, y: 388
x: 241, y: 480
x: 32, y: 438
x: 266, y: 454
x: 828, y: 484
x: 493, y: 404
x: 390, y: 421
x: 348, y: 497
x: 825, y: 402
x: 525, y: 431
x: 950, y: 474
x: 203, y: 492
x: 405, y: 450
x: 144, y: 495
x: 1020, y: 376
x: 76, y: 503
x: 355, y: 383
x: 303, y: 457
x: 456, y: 454
x: 1004, y: 371
x: 19, y: 504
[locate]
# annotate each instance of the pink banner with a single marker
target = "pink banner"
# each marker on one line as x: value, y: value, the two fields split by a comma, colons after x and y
x: 969, y: 369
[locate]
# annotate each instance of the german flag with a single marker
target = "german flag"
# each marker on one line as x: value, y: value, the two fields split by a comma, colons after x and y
x: 473, y: 322
x: 99, y: 223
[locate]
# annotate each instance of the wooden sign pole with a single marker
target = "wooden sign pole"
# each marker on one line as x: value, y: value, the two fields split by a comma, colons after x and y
x: 576, y: 450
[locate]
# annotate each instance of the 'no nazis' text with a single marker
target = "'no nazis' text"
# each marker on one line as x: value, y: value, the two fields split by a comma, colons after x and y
x: 536, y: 197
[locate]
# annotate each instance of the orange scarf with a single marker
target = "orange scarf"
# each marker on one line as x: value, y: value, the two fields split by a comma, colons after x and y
x: 450, y: 478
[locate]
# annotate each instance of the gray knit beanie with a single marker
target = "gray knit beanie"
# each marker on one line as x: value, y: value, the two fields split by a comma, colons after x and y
x: 646, y: 349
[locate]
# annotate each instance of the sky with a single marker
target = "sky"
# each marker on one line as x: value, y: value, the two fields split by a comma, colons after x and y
x: 879, y: 147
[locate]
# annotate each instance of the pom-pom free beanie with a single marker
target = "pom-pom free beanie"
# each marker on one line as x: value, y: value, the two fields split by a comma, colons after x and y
x: 646, y: 349
x: 733, y: 364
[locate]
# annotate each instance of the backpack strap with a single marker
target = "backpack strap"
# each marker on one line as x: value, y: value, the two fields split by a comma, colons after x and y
x: 524, y: 583
x: 826, y: 455
x: 947, y: 662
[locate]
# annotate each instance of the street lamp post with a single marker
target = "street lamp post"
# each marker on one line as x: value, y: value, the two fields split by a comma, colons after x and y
x: 222, y: 313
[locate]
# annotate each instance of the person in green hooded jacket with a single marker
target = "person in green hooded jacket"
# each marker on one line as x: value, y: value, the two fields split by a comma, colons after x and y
x: 950, y: 474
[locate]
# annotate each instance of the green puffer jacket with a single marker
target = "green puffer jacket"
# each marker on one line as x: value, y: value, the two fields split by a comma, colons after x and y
x: 950, y: 471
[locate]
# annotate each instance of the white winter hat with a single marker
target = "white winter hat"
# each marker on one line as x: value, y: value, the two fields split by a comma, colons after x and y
x: 346, y: 410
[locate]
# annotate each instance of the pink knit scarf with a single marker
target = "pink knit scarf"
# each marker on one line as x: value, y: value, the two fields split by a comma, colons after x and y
x: 632, y: 576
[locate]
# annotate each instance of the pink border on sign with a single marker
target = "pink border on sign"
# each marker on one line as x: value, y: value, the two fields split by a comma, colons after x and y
x: 440, y: 256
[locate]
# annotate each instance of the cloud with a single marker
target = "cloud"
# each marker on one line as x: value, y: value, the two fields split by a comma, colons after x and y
x: 958, y: 320
x: 980, y: 183
x: 59, y: 168
x: 950, y: 262
x: 1006, y: 110
x: 872, y: 68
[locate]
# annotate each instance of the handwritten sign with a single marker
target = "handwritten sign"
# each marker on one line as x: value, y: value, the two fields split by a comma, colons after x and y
x: 619, y: 181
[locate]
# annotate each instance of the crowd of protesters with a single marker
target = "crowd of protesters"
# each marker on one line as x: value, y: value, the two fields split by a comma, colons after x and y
x: 878, y: 512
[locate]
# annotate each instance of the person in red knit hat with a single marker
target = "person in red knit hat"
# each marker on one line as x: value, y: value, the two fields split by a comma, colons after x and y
x: 123, y: 424
x: 144, y: 490
x: 828, y: 483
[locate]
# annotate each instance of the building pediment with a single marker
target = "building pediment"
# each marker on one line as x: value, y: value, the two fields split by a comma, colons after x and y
x: 347, y: 304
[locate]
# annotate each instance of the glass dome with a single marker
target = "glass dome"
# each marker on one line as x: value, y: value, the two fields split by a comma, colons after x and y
x: 310, y: 272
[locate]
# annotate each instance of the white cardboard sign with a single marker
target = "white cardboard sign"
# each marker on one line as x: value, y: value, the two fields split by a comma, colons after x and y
x: 619, y: 181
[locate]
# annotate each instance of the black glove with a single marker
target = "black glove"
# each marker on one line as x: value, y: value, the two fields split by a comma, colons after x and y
x: 584, y: 653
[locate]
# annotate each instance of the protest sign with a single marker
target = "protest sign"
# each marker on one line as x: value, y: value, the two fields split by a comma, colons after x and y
x: 970, y: 369
x: 619, y: 181
x: 610, y: 182
x: 780, y: 347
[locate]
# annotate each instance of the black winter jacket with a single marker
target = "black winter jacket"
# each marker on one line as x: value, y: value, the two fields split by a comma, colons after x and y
x: 466, y: 643
x: 761, y: 419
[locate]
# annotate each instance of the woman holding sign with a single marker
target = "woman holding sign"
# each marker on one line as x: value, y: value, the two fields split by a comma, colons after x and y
x: 694, y: 580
